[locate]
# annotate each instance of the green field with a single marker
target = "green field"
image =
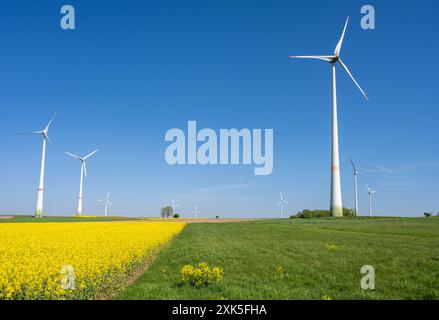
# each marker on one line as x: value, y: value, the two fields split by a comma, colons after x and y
x: 404, y: 253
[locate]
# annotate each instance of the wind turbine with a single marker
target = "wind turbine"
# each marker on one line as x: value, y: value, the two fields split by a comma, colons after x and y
x: 281, y: 203
x: 107, y: 202
x: 45, y: 133
x: 195, y: 211
x: 356, y: 173
x: 336, y: 202
x: 83, y: 171
x: 174, y: 206
x: 371, y: 192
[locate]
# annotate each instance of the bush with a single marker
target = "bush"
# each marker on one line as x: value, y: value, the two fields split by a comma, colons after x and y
x: 176, y: 216
x: 312, y: 214
x: 348, y: 212
x: 306, y: 213
x: 201, y: 275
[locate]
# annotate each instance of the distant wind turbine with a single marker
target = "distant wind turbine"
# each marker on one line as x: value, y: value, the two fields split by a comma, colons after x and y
x: 336, y: 206
x: 356, y: 173
x: 371, y: 192
x: 107, y: 202
x: 174, y: 206
x: 195, y: 211
x: 45, y: 133
x: 83, y: 171
x: 281, y: 203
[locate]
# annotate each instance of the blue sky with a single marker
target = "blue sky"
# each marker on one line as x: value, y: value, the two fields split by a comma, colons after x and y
x: 134, y: 69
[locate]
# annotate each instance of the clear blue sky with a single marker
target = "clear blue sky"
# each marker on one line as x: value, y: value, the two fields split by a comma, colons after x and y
x: 134, y: 69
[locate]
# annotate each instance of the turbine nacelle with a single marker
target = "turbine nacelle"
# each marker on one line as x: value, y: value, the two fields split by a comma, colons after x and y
x: 106, y: 199
x: 370, y: 191
x: 196, y: 211
x: 282, y: 201
x: 45, y: 131
x: 354, y: 168
x: 334, y: 58
x: 82, y: 159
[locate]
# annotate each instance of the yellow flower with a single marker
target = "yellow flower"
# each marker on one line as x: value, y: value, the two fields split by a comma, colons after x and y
x: 201, y: 275
x: 101, y: 255
x: 331, y: 247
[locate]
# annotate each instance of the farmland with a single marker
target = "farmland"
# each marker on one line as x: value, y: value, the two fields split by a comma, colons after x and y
x: 103, y: 255
x: 261, y: 259
x: 301, y: 259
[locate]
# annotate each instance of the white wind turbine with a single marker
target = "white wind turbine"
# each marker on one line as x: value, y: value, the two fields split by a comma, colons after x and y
x: 107, y: 202
x: 336, y: 202
x: 174, y: 206
x: 83, y: 171
x: 45, y: 133
x: 356, y: 173
x: 371, y: 192
x: 195, y: 211
x: 281, y: 203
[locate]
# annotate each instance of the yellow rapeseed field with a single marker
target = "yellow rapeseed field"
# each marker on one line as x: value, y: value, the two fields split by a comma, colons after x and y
x: 102, y: 254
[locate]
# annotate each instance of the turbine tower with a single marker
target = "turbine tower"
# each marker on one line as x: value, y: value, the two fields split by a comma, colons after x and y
x: 45, y: 133
x: 195, y: 211
x: 107, y: 202
x: 83, y: 171
x: 336, y: 206
x: 371, y: 192
x: 281, y: 203
x: 356, y: 173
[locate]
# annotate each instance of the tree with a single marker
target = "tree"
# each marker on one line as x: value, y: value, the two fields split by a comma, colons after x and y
x: 348, y: 212
x: 167, y: 212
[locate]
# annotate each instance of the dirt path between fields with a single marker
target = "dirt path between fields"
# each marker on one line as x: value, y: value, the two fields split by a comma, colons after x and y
x: 6, y: 217
x: 188, y: 220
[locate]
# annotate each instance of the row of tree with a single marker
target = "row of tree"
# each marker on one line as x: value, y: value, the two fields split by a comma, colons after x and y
x: 306, y: 213
x: 168, y: 212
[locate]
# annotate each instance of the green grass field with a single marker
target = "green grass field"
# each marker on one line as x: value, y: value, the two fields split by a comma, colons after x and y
x: 404, y: 253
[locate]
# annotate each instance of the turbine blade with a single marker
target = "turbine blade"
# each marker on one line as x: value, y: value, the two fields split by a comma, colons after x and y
x: 108, y: 195
x: 286, y: 202
x: 85, y: 168
x: 30, y: 132
x: 90, y: 154
x: 368, y: 189
x: 101, y: 200
x: 72, y: 155
x: 109, y: 202
x: 50, y: 122
x: 46, y: 136
x: 324, y: 58
x: 352, y: 77
x: 340, y: 42
x: 353, y: 165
